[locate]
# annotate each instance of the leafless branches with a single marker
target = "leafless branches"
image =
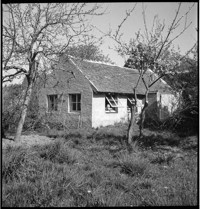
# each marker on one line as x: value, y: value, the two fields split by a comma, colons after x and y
x: 174, y: 25
x: 45, y: 29
x: 151, y: 50
x: 128, y: 13
x: 33, y: 33
x: 145, y: 24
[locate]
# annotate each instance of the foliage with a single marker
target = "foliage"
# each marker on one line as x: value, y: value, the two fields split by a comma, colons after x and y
x: 12, y: 106
x: 185, y: 81
x: 92, y: 173
x: 12, y: 101
x: 143, y: 56
x: 88, y: 51
x: 153, y: 49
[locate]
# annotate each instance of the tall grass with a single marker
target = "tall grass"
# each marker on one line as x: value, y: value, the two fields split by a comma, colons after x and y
x: 94, y: 168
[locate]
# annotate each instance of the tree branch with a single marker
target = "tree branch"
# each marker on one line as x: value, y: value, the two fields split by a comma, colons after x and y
x: 169, y: 32
x: 145, y: 24
x: 16, y: 68
x: 120, y: 25
x: 10, y: 77
x: 13, y: 42
x: 144, y: 83
x: 156, y: 80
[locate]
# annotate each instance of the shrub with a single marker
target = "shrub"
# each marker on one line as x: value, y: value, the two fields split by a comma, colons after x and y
x: 183, y: 121
x: 57, y: 152
x: 132, y: 164
x: 80, y: 133
x: 19, y: 163
x: 13, y: 160
x: 160, y: 138
x: 54, y: 133
x: 163, y: 158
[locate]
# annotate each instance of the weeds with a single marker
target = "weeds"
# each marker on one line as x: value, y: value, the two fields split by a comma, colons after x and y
x: 163, y: 158
x: 132, y: 164
x: 13, y: 163
x: 94, y: 168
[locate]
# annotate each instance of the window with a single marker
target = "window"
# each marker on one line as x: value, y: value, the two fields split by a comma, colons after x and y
x: 111, y: 104
x: 130, y: 102
x: 52, y: 102
x: 74, y: 102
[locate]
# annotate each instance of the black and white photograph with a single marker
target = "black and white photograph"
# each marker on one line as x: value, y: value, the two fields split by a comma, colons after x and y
x: 100, y: 104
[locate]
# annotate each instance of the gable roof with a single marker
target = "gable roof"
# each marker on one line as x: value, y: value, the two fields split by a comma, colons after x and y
x: 114, y: 79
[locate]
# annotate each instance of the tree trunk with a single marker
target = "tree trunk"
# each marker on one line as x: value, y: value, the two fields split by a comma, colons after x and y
x: 27, y: 98
x: 142, y: 114
x: 131, y: 124
x: 33, y: 66
x: 142, y: 118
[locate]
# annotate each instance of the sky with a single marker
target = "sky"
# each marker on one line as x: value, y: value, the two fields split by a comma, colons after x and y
x: 116, y: 12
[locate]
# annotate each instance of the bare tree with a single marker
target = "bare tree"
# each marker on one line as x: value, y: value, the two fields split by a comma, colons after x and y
x: 35, y: 33
x: 151, y: 50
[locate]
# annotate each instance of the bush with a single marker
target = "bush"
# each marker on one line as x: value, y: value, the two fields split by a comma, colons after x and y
x: 132, y: 164
x: 151, y: 140
x: 183, y: 121
x: 57, y: 152
x: 162, y: 158
x: 13, y: 162
x: 18, y: 162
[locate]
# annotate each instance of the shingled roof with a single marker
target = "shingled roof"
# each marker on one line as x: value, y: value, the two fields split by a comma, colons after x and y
x: 114, y: 79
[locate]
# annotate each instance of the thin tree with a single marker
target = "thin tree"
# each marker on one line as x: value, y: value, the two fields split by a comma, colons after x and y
x: 151, y: 50
x: 34, y: 33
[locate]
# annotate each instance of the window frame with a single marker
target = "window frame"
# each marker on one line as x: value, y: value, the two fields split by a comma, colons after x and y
x: 70, y: 102
x: 113, y: 99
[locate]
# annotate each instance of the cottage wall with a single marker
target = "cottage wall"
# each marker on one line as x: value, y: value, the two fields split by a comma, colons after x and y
x: 168, y: 104
x: 64, y: 83
x: 68, y: 79
x: 161, y: 105
x: 152, y: 109
x: 102, y: 118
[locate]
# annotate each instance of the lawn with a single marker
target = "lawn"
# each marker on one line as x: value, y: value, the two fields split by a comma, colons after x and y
x: 97, y: 168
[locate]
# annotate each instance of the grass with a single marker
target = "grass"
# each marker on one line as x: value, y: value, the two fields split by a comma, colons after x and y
x: 95, y: 168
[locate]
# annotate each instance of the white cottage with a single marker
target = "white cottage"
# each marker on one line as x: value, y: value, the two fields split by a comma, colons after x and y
x: 84, y: 93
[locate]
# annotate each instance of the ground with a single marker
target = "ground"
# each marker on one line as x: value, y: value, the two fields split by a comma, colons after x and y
x: 26, y: 140
x: 96, y: 168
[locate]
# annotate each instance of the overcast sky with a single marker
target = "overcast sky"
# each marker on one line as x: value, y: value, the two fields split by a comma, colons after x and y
x: 165, y: 11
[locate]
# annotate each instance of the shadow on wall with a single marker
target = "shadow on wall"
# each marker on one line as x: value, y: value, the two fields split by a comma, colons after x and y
x: 155, y: 115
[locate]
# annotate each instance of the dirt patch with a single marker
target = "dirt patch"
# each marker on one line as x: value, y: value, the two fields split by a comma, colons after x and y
x: 26, y: 141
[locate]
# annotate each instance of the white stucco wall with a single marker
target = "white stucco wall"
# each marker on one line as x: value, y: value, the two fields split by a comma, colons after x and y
x: 102, y: 118
x: 169, y: 104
